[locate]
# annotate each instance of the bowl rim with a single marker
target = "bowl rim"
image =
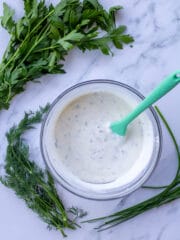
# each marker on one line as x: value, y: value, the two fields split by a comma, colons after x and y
x: 57, y: 176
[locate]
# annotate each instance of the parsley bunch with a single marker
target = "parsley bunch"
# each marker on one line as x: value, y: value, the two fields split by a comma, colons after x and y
x: 45, y: 34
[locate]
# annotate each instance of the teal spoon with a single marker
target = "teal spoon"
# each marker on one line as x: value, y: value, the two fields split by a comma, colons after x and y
x: 120, y: 127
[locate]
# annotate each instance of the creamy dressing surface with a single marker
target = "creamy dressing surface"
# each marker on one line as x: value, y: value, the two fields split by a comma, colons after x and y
x: 85, y: 145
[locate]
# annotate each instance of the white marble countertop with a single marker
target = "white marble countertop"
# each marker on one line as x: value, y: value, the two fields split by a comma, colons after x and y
x: 155, y: 26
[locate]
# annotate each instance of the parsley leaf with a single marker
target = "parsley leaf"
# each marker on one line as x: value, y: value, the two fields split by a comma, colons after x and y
x: 7, y: 20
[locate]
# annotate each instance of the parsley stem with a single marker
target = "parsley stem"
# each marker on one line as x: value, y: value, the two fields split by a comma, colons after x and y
x: 47, y: 48
x: 35, y: 44
x: 24, y: 41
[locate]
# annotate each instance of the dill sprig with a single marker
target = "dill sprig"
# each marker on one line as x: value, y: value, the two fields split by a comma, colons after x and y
x: 40, y: 40
x: 32, y: 184
x: 169, y: 194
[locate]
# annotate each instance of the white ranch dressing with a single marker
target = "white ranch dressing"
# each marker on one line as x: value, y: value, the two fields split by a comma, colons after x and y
x: 86, y: 148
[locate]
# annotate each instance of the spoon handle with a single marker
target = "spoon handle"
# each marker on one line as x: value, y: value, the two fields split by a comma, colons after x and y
x: 164, y: 87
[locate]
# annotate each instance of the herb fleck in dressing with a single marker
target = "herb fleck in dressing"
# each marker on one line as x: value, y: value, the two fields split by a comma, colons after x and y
x: 87, y: 147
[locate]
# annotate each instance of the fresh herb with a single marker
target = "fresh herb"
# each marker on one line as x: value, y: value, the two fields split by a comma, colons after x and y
x: 45, y: 34
x: 169, y: 194
x: 32, y: 184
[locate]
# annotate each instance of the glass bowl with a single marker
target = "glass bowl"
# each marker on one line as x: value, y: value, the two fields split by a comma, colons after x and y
x: 101, y: 191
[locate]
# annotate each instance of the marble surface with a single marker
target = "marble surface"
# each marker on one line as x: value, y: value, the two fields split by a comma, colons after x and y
x: 155, y: 26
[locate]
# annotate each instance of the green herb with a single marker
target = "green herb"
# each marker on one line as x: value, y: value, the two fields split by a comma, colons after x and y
x: 170, y: 193
x: 34, y: 185
x: 45, y: 34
